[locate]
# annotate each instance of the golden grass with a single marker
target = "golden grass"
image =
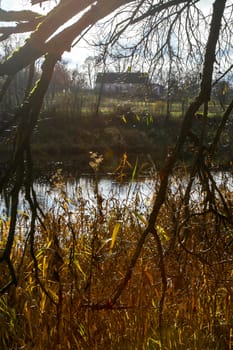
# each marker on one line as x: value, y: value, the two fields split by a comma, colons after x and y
x: 82, y: 256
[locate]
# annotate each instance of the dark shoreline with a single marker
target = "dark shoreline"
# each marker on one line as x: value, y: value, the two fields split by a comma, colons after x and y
x: 79, y: 166
x: 59, y: 142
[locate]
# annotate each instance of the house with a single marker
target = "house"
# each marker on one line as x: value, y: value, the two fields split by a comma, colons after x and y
x: 122, y: 83
x: 156, y: 90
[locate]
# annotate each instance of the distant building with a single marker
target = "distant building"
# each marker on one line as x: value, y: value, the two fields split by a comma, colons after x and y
x: 156, y: 90
x: 122, y: 83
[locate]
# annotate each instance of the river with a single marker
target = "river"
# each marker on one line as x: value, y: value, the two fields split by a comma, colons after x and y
x: 140, y: 191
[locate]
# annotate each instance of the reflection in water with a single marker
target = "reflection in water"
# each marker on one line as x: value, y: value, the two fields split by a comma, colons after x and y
x: 83, y: 189
x: 140, y: 192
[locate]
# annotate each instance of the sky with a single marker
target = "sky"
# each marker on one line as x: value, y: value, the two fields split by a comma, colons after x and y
x: 22, y: 4
x: 18, y: 5
x: 80, y: 52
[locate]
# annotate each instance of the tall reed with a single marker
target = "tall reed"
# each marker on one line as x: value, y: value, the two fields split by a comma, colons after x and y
x: 82, y: 255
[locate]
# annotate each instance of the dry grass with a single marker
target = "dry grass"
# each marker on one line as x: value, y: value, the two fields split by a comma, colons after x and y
x: 82, y: 256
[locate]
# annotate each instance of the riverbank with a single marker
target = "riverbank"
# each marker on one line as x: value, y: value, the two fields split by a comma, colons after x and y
x: 145, y: 139
x: 67, y: 141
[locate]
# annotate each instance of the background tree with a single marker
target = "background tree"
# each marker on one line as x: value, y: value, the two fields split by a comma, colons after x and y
x: 90, y: 66
x: 143, y: 30
x: 61, y: 80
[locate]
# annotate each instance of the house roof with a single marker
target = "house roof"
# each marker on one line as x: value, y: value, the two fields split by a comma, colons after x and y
x: 122, y: 78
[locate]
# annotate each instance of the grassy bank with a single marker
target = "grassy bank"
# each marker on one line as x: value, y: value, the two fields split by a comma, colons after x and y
x: 70, y: 127
x: 147, y: 137
x: 69, y: 274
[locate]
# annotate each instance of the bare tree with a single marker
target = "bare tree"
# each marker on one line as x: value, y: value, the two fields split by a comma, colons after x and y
x: 153, y: 31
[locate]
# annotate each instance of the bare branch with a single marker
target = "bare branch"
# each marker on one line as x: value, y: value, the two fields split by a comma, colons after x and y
x: 38, y: 44
x: 19, y: 28
x: 18, y: 16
